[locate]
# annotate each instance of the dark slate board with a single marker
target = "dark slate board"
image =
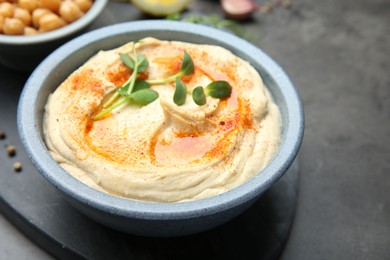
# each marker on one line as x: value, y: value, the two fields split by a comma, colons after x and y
x: 40, y: 212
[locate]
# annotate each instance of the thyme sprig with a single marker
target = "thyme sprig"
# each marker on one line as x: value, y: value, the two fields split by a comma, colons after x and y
x: 138, y: 91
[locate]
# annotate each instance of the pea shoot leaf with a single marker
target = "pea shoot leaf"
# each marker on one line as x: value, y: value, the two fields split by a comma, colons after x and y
x: 180, y: 94
x: 140, y: 84
x: 142, y: 62
x: 144, y: 96
x: 127, y: 60
x: 219, y: 89
x: 199, y: 96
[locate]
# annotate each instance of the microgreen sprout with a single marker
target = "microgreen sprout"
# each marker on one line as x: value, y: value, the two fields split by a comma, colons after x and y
x: 180, y: 94
x: 216, y: 89
x: 199, y: 96
x: 138, y: 91
x: 187, y: 67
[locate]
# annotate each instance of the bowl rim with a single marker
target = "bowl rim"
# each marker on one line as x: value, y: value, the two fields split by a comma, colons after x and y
x: 45, y: 164
x: 87, y: 18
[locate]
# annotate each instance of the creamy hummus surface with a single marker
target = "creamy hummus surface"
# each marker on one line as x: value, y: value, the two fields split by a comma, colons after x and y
x: 161, y: 151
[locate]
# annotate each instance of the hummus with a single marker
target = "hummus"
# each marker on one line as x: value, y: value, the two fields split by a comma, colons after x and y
x: 161, y: 151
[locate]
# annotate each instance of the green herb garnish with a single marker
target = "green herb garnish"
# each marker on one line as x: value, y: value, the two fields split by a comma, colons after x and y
x: 180, y: 95
x: 216, y: 89
x: 144, y: 96
x: 128, y: 91
x: 199, y: 96
x: 187, y: 67
x: 138, y: 91
x: 213, y: 21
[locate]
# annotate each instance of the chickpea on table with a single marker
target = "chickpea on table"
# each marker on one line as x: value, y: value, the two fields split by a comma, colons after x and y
x: 29, y: 17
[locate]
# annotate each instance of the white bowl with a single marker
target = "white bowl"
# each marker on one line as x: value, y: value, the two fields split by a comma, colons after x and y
x: 149, y: 218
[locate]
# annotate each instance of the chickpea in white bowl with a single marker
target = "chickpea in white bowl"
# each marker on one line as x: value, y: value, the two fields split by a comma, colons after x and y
x: 32, y: 29
x: 30, y: 17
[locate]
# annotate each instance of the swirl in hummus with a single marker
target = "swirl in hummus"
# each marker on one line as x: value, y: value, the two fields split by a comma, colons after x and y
x: 163, y: 152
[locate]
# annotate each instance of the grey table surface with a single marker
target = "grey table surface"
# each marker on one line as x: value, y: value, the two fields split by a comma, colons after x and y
x: 337, y: 53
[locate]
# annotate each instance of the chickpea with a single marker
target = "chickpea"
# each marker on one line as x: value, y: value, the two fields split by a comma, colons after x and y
x: 69, y: 11
x: 7, y: 10
x: 50, y: 22
x: 1, y: 23
x: 84, y: 5
x: 13, y: 26
x: 30, y: 5
x: 37, y: 14
x: 23, y: 15
x: 52, y: 5
x: 30, y: 30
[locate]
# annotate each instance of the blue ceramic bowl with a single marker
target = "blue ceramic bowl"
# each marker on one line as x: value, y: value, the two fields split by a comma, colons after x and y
x: 148, y: 218
x: 24, y: 53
